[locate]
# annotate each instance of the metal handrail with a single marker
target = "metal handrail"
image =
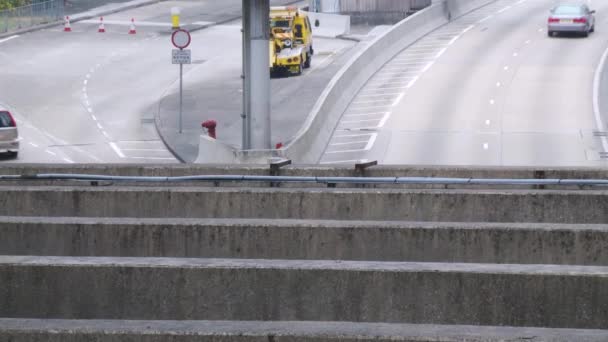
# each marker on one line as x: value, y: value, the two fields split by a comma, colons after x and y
x: 309, y: 179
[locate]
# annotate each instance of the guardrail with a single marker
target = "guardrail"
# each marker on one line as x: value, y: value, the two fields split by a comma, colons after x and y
x: 310, y: 179
x: 40, y: 12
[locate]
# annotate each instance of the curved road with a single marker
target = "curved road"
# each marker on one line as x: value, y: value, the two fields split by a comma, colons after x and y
x: 490, y: 88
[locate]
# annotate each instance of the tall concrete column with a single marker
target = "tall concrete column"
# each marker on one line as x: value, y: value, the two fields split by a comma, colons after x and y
x: 256, y: 75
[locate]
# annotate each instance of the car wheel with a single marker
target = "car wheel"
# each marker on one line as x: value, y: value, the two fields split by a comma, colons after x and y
x: 550, y: 33
x: 308, y: 61
x: 592, y: 29
x: 586, y: 34
x: 13, y: 154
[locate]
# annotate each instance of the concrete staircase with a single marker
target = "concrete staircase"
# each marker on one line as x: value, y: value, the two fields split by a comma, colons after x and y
x: 302, y: 263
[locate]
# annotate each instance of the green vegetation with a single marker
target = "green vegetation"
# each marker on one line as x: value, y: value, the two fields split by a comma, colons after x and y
x: 10, y: 4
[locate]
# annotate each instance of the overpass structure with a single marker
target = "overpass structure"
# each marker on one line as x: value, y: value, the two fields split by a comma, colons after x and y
x: 120, y: 260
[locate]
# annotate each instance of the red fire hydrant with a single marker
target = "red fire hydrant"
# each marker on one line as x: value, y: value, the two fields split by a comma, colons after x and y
x: 210, y: 125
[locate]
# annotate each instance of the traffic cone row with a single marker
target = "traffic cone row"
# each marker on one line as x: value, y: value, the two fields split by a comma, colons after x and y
x: 102, y: 27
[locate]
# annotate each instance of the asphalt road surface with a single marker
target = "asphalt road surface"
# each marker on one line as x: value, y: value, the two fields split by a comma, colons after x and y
x: 490, y: 88
x: 89, y: 97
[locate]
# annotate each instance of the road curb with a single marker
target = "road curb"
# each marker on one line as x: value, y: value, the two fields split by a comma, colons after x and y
x: 82, y: 16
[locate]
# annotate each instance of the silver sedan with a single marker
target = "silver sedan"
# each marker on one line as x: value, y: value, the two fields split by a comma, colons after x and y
x: 9, y: 136
x: 577, y: 18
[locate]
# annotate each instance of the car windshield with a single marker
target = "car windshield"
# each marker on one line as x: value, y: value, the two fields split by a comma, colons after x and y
x: 568, y: 10
x: 279, y: 23
x: 5, y: 120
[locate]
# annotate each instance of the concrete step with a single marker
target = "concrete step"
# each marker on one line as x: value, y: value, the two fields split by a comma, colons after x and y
x: 307, y: 290
x: 306, y: 239
x: 35, y: 330
x: 336, y: 204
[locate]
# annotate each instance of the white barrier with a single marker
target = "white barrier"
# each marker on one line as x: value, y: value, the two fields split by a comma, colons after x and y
x: 330, y: 25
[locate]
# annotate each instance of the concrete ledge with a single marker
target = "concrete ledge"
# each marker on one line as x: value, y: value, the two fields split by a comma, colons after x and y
x: 236, y: 289
x: 332, y: 204
x: 317, y: 240
x: 32, y: 330
x: 311, y: 170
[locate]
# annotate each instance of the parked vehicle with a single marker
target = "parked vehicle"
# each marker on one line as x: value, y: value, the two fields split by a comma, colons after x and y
x: 9, y: 135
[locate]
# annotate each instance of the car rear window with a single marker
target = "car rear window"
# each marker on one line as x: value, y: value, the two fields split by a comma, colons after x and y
x: 568, y: 10
x: 5, y: 119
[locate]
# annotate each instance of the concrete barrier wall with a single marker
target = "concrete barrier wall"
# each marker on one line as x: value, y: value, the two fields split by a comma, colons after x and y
x: 236, y: 289
x: 310, y: 142
x: 313, y: 240
x: 321, y: 171
x: 35, y: 330
x: 348, y: 204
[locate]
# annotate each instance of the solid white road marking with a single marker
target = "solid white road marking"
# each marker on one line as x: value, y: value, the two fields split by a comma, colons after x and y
x: 412, y: 82
x: 486, y: 18
x: 492, y: 101
x: 398, y: 99
x: 596, y: 97
x: 498, y: 84
x: 34, y: 145
x: 486, y: 146
x: 350, y: 143
x: 68, y: 160
x: 9, y: 38
x: 504, y: 9
x: 116, y: 149
x: 51, y: 153
x: 488, y: 122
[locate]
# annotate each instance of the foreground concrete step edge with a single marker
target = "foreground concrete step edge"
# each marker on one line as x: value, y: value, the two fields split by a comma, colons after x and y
x: 34, y: 330
x: 233, y: 289
x: 306, y: 239
x: 393, y: 205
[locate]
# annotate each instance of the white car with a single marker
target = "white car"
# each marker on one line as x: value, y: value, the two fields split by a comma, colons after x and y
x: 9, y: 135
x: 571, y: 18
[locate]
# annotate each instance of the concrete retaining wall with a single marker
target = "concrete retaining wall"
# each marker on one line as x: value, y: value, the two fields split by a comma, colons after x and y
x: 28, y: 330
x: 353, y: 204
x: 315, y: 240
x: 236, y: 289
x: 311, y: 140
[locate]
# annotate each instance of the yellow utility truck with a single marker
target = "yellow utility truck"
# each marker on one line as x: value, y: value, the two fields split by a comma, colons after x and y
x: 290, y: 41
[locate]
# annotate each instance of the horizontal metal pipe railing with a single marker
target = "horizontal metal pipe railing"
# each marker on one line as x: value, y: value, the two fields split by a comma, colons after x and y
x: 309, y: 179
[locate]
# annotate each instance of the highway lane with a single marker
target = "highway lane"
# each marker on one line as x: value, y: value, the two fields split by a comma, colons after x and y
x: 488, y: 89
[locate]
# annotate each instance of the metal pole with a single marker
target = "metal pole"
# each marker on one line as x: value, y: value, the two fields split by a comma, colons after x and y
x: 246, y: 136
x: 257, y: 78
x: 181, y: 87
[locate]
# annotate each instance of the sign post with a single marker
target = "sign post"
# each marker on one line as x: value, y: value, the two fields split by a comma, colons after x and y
x: 181, y: 39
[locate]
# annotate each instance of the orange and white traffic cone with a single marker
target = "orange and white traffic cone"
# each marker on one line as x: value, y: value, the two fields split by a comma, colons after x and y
x: 132, y: 29
x: 102, y: 27
x: 66, y: 25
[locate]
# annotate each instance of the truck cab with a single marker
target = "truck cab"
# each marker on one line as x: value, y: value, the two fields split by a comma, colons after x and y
x: 291, y: 48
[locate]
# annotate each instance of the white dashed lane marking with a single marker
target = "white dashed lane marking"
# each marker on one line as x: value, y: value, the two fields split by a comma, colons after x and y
x: 372, y: 107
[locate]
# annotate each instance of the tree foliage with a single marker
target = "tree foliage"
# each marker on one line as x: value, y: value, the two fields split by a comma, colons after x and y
x: 10, y: 4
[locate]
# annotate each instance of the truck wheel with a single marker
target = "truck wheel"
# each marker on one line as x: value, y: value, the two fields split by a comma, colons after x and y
x: 300, y: 68
x: 308, y: 61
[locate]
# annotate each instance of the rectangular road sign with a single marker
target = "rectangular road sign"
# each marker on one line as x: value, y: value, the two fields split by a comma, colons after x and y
x: 181, y: 56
